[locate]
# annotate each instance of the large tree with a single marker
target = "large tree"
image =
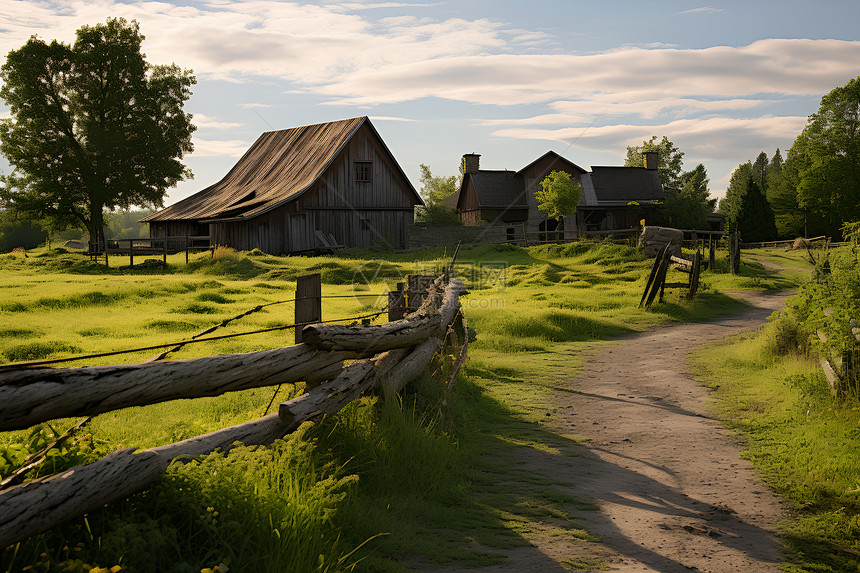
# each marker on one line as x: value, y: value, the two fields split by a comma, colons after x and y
x: 826, y: 157
x: 669, y: 160
x: 94, y: 127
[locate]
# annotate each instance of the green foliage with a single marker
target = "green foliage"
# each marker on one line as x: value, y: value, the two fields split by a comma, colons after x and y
x: 819, y: 191
x: 93, y: 126
x: 434, y: 190
x: 746, y: 208
x: 558, y: 194
x: 669, y: 160
x: 15, y: 232
x: 689, y: 208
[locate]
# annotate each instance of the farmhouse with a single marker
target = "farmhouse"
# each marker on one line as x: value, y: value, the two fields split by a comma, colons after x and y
x: 612, y: 198
x: 300, y: 190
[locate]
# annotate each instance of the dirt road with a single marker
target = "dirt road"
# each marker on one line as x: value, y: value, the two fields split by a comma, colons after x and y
x: 673, y: 492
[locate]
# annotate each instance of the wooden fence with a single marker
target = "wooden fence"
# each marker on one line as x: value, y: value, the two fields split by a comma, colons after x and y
x: 151, y: 246
x: 338, y: 364
x: 656, y: 283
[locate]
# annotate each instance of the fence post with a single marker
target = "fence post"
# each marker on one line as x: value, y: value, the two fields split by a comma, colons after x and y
x: 186, y: 249
x: 164, y: 252
x: 106, y: 254
x: 396, y: 303
x: 131, y: 252
x: 711, y: 253
x: 308, y: 302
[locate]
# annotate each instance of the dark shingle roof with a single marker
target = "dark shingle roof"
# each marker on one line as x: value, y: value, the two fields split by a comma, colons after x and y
x: 620, y: 185
x: 499, y: 189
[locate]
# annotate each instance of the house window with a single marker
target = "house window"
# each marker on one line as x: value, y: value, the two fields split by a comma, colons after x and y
x: 510, y: 233
x: 364, y: 224
x: 362, y: 171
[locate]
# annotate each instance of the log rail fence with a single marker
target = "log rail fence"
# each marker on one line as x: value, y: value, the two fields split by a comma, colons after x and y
x: 338, y: 364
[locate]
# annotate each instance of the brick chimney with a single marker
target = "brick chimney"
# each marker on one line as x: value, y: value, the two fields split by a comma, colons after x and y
x: 649, y: 160
x: 471, y: 163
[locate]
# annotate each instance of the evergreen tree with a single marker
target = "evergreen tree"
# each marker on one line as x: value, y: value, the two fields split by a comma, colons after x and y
x: 746, y: 208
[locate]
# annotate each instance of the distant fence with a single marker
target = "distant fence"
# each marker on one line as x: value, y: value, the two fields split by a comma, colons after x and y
x: 149, y: 246
x: 383, y: 357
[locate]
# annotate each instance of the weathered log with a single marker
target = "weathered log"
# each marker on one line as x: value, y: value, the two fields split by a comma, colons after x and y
x: 28, y: 397
x: 398, y: 334
x: 410, y: 367
x: 40, y: 504
x: 404, y: 333
x: 451, y: 303
x: 329, y: 397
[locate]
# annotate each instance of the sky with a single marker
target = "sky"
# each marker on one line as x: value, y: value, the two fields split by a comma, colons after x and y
x: 507, y: 79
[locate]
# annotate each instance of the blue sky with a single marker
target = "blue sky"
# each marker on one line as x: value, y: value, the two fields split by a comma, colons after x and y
x: 503, y: 78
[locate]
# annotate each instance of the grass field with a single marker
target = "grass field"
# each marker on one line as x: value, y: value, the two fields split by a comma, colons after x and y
x: 380, y: 486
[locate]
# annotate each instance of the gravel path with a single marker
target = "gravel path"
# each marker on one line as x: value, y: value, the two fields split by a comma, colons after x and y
x: 673, y: 491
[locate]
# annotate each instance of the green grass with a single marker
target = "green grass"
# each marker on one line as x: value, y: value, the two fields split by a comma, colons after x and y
x: 431, y: 479
x: 805, y: 443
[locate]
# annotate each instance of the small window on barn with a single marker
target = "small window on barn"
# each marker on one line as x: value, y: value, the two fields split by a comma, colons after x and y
x: 362, y: 171
x: 511, y: 234
x: 364, y: 224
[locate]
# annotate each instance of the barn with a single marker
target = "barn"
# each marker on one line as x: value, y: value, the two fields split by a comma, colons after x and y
x: 301, y: 190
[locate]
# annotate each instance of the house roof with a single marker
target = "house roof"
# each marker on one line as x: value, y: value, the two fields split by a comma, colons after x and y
x: 606, y: 186
x: 497, y: 189
x: 557, y: 160
x: 279, y: 167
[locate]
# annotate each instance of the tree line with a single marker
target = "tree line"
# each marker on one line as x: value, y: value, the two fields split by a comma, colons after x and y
x: 815, y: 190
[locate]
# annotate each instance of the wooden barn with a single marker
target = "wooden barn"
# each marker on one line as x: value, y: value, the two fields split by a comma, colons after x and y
x: 297, y: 190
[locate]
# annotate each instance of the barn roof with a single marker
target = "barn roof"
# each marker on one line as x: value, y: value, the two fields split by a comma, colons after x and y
x: 606, y: 186
x: 279, y: 167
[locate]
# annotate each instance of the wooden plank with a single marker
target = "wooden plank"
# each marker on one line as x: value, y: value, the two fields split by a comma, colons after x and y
x: 659, y: 280
x: 653, y: 273
x: 308, y: 302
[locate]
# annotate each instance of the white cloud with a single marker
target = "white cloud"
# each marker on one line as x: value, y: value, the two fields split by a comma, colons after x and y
x: 794, y: 67
x: 389, y: 118
x: 702, y: 10
x: 715, y: 138
x: 254, y: 105
x: 207, y: 122
x: 219, y: 148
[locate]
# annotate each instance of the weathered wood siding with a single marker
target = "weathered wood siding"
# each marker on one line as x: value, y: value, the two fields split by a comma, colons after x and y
x: 357, y: 213
x: 469, y: 207
x: 178, y: 229
x: 532, y: 176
